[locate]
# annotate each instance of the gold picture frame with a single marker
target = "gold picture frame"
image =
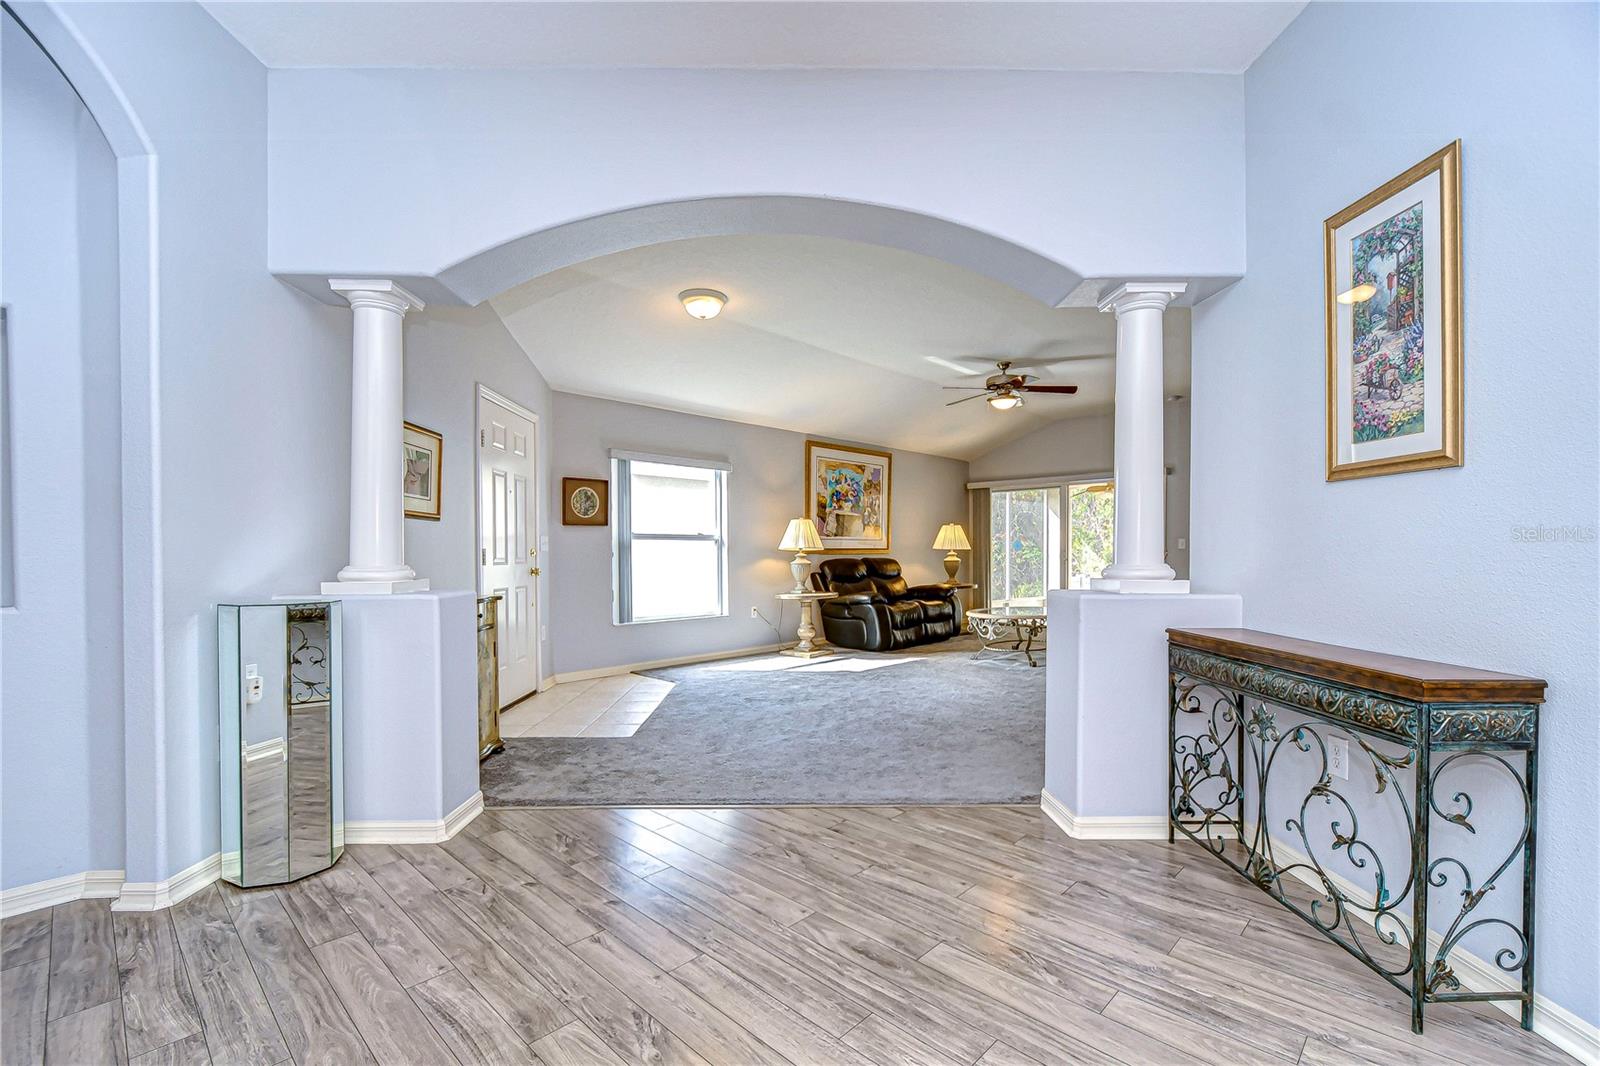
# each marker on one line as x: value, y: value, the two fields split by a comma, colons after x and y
x: 421, y: 472
x: 1394, y: 392
x: 867, y: 476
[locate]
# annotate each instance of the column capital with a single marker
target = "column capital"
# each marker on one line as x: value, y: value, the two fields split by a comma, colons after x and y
x: 376, y: 292
x: 1142, y: 296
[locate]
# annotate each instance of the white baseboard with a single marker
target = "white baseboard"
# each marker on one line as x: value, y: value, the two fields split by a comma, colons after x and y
x: 1100, y: 827
x: 659, y: 664
x: 434, y: 832
x: 1553, y: 1022
x: 159, y: 895
x: 91, y: 884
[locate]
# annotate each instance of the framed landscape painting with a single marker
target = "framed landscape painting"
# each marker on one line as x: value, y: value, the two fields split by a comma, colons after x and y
x: 1392, y: 264
x: 847, y: 496
x: 421, y: 451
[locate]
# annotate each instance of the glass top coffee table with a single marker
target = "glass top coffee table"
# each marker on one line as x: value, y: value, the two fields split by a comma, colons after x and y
x: 1010, y: 630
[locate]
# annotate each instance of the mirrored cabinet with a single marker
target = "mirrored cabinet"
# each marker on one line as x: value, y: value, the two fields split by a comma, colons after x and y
x: 282, y: 744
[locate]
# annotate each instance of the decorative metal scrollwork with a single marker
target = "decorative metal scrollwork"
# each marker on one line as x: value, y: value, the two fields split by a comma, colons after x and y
x: 308, y: 656
x: 1233, y: 763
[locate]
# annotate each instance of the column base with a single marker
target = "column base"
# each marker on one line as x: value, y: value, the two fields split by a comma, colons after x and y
x: 1138, y: 584
x: 374, y: 588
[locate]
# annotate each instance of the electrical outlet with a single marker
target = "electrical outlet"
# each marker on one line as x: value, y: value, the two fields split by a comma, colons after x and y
x: 754, y: 613
x: 1339, y: 757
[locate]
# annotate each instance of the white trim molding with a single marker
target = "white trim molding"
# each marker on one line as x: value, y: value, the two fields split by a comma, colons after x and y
x: 159, y: 895
x: 1553, y: 1022
x: 672, y: 460
x: 434, y: 832
x: 660, y: 664
x: 91, y: 884
x: 1102, y: 827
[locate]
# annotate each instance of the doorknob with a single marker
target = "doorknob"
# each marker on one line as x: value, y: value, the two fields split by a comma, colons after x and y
x: 533, y: 571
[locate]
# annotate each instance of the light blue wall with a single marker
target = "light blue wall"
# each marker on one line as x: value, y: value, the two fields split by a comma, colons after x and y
x: 60, y: 644
x: 1428, y: 564
x: 449, y: 352
x: 1106, y: 173
x: 249, y: 462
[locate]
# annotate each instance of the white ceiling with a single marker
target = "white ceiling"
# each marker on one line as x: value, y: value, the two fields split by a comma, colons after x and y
x: 1208, y: 37
x: 821, y: 336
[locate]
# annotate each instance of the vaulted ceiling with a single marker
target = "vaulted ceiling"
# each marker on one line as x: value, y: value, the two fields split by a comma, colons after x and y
x: 1206, y: 37
x: 822, y: 336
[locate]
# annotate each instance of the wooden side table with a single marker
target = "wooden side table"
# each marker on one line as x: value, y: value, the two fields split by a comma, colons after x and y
x: 810, y: 646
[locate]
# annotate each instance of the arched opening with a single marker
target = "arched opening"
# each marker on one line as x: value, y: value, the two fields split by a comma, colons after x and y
x: 853, y: 336
x: 511, y: 263
x: 61, y: 592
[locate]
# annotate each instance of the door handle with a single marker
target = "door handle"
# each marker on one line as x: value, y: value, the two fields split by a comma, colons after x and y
x: 533, y: 571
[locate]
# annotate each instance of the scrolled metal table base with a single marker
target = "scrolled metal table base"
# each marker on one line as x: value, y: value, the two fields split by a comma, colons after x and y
x: 1009, y: 636
x: 1232, y: 765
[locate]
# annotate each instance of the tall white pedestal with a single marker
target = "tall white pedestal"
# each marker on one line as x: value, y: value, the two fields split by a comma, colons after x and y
x: 411, y: 716
x: 1105, y: 726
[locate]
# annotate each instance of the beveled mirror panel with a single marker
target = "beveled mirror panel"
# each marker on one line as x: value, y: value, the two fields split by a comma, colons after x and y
x: 281, y: 736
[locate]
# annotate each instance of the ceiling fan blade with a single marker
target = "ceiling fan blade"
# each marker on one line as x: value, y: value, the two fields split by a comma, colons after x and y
x: 965, y: 388
x: 963, y: 399
x: 1059, y: 360
x: 1066, y: 390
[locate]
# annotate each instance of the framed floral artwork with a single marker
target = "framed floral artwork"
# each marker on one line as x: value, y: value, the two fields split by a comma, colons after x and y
x: 847, y: 496
x: 421, y: 452
x: 1392, y: 267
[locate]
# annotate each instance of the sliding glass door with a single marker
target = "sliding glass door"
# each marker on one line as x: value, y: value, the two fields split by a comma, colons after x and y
x: 1024, y: 544
x: 1037, y: 544
x: 1091, y: 521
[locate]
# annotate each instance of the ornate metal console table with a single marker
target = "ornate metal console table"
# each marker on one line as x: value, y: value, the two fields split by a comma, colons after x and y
x: 1364, y: 734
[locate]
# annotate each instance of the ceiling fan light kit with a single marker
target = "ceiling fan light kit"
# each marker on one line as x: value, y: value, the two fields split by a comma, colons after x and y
x: 1003, y: 391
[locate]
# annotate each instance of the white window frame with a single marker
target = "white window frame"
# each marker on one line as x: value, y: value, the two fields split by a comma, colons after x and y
x: 623, y: 536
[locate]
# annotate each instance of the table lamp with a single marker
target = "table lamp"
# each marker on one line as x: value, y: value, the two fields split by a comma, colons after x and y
x: 954, y: 538
x: 800, y: 537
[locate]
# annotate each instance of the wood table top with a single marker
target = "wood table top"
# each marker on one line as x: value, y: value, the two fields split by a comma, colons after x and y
x: 1395, y: 675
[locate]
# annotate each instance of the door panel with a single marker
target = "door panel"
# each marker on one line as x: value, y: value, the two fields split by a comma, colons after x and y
x: 508, y: 553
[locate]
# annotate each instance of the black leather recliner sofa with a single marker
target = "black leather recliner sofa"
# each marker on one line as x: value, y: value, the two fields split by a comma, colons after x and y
x: 873, y: 608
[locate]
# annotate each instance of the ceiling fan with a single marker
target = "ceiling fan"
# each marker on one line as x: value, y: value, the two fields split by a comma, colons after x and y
x: 1004, y: 390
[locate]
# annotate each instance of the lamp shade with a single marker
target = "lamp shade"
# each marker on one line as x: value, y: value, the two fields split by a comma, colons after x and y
x: 952, y: 538
x: 801, y: 536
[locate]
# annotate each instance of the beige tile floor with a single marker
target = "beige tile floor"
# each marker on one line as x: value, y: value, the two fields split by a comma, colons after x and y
x: 602, y: 707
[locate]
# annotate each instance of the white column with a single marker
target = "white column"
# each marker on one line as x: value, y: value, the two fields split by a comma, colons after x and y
x: 377, y: 411
x: 1138, y: 563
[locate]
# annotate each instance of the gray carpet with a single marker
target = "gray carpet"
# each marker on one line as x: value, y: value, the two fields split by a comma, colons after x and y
x: 926, y: 726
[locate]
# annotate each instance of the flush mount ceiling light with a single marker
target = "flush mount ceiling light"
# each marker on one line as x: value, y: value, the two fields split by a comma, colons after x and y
x: 702, y: 303
x: 1005, y: 401
x: 1358, y: 295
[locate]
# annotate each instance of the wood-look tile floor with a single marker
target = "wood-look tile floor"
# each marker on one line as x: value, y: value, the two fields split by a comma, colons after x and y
x: 803, y: 935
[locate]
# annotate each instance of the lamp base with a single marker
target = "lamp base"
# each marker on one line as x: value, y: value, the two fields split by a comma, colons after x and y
x: 800, y: 565
x: 952, y: 563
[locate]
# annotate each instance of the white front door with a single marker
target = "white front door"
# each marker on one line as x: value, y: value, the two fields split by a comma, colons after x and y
x: 508, y: 555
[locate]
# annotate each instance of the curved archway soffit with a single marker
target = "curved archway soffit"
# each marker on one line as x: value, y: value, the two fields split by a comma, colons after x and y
x: 507, y: 265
